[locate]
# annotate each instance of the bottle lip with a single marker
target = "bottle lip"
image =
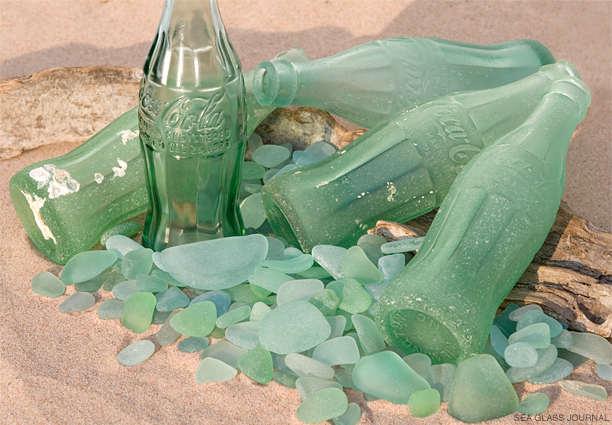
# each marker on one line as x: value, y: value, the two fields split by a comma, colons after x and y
x: 275, y: 83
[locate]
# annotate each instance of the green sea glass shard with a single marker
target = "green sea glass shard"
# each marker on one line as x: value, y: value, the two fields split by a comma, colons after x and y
x: 391, y: 265
x: 537, y: 335
x: 242, y: 293
x: 326, y: 301
x: 563, y: 340
x: 293, y: 328
x: 124, y: 290
x: 138, y: 311
x: 387, y: 376
x: 520, y: 355
x: 257, y: 365
x: 121, y: 245
x: 276, y: 249
x: 345, y: 378
x: 259, y: 292
x: 604, y: 371
x: 592, y: 346
x: 355, y: 264
x: 137, y: 262
x: 216, y: 264
x: 353, y: 298
x: 193, y: 344
x: 196, y: 320
x: 252, y: 211
x: 503, y: 322
x: 254, y: 142
x: 146, y: 283
x: 111, y: 279
x: 286, y: 378
x: 213, y: 370
x: 440, y: 377
x: 516, y: 314
x: 369, y: 240
x: 402, y: 245
x: 560, y: 369
x: 534, y: 404
x: 305, y: 366
x: 268, y: 279
x: 76, y: 302
x: 48, y: 285
x: 271, y: 155
x: 171, y: 299
x: 546, y: 358
x: 309, y: 385
x: 300, y: 289
x: 330, y: 258
x: 424, y: 403
x: 596, y: 392
x: 233, y: 316
x: 252, y: 170
x: 259, y: 311
x: 337, y: 351
x: 166, y: 335
x: 321, y: 149
x: 498, y: 340
x: 164, y: 277
x: 337, y: 324
x: 370, y: 339
x: 224, y: 351
x: 291, y: 266
x: 418, y: 362
x: 488, y: 349
x: 535, y: 316
x: 91, y: 285
x: 270, y: 174
x: 127, y: 229
x: 245, y: 334
x: 87, y: 265
x: 575, y: 359
x: 136, y: 353
x: 322, y: 406
x: 111, y: 309
x: 481, y: 391
x: 350, y: 417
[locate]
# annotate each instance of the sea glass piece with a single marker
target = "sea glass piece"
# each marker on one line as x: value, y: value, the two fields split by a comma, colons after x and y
x: 166, y: 335
x: 254, y: 142
x: 127, y: 229
x: 402, y: 245
x: 160, y: 317
x: 575, y: 359
x: 368, y: 240
x: 370, y: 339
x: 305, y: 366
x: 244, y: 335
x: 503, y: 322
x: 220, y: 299
x: 563, y: 340
x: 48, y: 285
x: 285, y: 378
x: 374, y: 254
x: 270, y: 174
x: 424, y: 403
x: 356, y: 264
x: 546, y: 358
x: 293, y: 328
x: 271, y: 156
x: 303, y: 159
x: 385, y: 375
x: 76, y: 302
x: 535, y: 316
x: 440, y: 377
x: 212, y: 370
x: 224, y: 351
x: 268, y: 279
x: 252, y: 170
x: 330, y: 258
x: 137, y: 262
x: 488, y: 349
x: 136, y: 353
x: 252, y: 211
x: 292, y: 266
x: 121, y: 245
x: 196, y: 320
x: 321, y: 149
x: 300, y: 289
x: 259, y: 292
x: 376, y: 289
x: 216, y: 264
x: 481, y: 391
x: 87, y: 265
x: 337, y: 324
x: 322, y: 406
x: 353, y: 298
x: 596, y: 392
x: 521, y: 355
x: 138, y: 311
x: 592, y: 346
x: 165, y: 277
x: 292, y: 252
x: 92, y: 285
x: 276, y: 249
x: 337, y: 351
x: 560, y: 369
x: 146, y: 283
x: 124, y: 290
x: 242, y: 293
x: 326, y: 301
x: 604, y: 371
x: 534, y: 404
x: 391, y: 265
x: 418, y: 362
x: 350, y: 417
x: 345, y: 377
x: 498, y: 340
x: 111, y: 279
x: 193, y: 344
x: 309, y: 385
x: 285, y: 169
x: 537, y: 335
x: 516, y: 314
x: 171, y: 299
x: 233, y: 316
x: 259, y: 311
x: 111, y: 309
x: 257, y: 365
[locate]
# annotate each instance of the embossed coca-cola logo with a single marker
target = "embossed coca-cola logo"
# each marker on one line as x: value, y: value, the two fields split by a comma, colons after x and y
x: 194, y: 114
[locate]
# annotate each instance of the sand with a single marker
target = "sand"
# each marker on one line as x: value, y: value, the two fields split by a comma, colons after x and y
x: 62, y: 369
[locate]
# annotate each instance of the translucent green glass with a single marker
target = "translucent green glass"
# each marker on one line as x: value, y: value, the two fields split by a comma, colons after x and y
x: 375, y: 80
x: 494, y: 219
x: 400, y: 169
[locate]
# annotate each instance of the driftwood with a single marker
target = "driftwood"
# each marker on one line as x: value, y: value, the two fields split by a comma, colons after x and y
x: 570, y: 277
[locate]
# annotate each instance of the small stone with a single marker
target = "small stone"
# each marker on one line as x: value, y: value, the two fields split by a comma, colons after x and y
x: 534, y: 404
x: 48, y: 285
x: 516, y: 314
x: 136, y: 353
x: 220, y: 299
x: 213, y: 370
x: 537, y: 335
x: 271, y: 155
x: 111, y: 309
x: 353, y: 298
x: 292, y: 266
x: 330, y: 258
x: 225, y: 351
x: 356, y: 264
x: 293, y: 328
x: 391, y: 265
x: 171, y: 299
x: 138, y: 311
x: 535, y: 316
x: 305, y: 366
x: 521, y: 355
x: 604, y: 371
x: 424, y: 403
x: 560, y: 369
x: 592, y: 346
x: 196, y: 320
x: 234, y: 316
x: 124, y: 290
x: 326, y: 301
x: 252, y: 170
x: 350, y: 417
x: 166, y: 335
x: 440, y: 377
x: 252, y: 211
x: 370, y: 339
x: 309, y: 385
x: 481, y: 391
x: 193, y: 344
x: 286, y: 378
x: 337, y: 351
x: 546, y: 358
x: 268, y: 279
x: 418, y: 362
x: 245, y: 335
x: 127, y: 229
x: 387, y: 376
x: 563, y: 340
x: 596, y: 392
x: 87, y: 265
x: 76, y: 302
x: 300, y: 289
x: 402, y: 245
x: 322, y: 406
x: 257, y: 365
x: 121, y: 245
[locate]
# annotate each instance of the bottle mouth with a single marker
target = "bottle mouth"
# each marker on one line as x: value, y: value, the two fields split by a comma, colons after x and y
x: 416, y: 332
x: 265, y: 92
x: 275, y: 83
x: 574, y: 89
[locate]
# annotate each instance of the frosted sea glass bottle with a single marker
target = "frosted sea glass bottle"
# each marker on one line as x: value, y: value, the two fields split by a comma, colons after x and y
x: 192, y: 127
x: 400, y: 169
x: 374, y: 81
x: 494, y: 219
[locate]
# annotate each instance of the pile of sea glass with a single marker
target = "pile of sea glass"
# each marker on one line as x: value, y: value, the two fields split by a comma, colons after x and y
x: 305, y: 320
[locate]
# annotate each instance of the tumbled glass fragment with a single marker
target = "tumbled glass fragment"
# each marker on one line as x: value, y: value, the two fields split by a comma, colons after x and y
x: 78, y: 301
x: 48, y: 285
x: 136, y: 353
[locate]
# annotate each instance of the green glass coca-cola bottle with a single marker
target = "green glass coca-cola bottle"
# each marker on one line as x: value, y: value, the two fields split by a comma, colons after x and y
x: 192, y: 127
